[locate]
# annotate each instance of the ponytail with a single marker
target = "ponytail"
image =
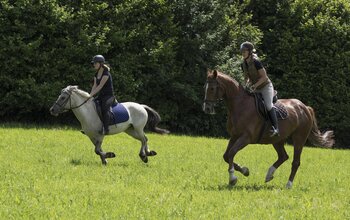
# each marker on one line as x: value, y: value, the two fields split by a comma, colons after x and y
x: 105, y: 66
x: 254, y: 54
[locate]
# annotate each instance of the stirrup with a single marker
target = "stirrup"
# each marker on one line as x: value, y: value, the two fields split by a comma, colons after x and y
x: 274, y: 132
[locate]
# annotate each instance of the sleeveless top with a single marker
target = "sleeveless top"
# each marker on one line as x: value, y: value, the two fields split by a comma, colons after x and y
x: 251, y: 68
x: 107, y: 89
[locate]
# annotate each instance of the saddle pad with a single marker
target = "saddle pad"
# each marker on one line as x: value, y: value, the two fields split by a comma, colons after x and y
x: 120, y: 113
x: 281, y: 111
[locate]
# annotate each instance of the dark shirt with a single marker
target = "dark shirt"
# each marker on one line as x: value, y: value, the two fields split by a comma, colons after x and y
x: 258, y: 65
x: 107, y: 89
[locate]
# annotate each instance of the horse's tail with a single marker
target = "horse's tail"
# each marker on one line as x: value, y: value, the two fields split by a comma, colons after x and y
x: 153, y: 120
x: 325, y: 139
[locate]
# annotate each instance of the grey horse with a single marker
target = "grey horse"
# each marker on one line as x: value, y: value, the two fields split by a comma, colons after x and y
x: 84, y: 108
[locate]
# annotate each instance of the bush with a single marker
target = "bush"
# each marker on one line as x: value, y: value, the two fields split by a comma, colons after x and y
x: 307, y: 48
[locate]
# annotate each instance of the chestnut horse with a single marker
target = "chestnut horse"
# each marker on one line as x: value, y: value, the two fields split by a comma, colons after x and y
x: 244, y: 125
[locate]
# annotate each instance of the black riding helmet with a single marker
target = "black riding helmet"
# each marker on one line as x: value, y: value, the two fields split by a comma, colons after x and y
x: 248, y: 46
x: 98, y: 59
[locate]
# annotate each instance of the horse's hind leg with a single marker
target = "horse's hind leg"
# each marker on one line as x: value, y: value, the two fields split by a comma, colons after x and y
x: 298, y: 147
x: 282, y: 157
x: 140, y: 135
x: 299, y: 138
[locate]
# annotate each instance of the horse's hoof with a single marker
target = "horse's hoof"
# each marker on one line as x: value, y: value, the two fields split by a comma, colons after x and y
x: 233, y: 180
x: 268, y: 178
x: 110, y: 155
x: 104, y: 163
x: 144, y: 158
x: 289, y: 184
x: 269, y: 175
x: 151, y: 153
x: 245, y: 171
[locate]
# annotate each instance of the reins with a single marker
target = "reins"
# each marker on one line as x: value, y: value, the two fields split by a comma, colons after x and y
x: 78, y: 106
x: 70, y: 103
x: 215, y: 81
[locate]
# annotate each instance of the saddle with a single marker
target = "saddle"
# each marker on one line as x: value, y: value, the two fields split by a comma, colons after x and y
x: 281, y: 111
x: 117, y: 113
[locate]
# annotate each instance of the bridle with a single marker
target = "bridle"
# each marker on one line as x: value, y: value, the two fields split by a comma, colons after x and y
x: 215, y: 85
x: 70, y: 102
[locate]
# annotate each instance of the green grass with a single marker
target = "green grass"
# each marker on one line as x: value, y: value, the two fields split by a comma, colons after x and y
x: 49, y: 173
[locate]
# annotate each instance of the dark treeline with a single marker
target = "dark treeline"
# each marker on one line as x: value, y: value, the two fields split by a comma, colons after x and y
x: 160, y: 50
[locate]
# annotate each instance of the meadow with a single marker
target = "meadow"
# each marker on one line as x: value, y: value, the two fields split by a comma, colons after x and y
x: 53, y: 173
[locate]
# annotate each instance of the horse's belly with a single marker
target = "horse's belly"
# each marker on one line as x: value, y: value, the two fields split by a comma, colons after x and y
x: 118, y: 128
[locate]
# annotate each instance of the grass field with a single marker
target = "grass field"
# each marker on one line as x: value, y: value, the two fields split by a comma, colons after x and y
x: 53, y: 173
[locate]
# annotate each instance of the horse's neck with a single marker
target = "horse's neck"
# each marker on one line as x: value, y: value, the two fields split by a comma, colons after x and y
x: 86, y: 113
x: 235, y: 95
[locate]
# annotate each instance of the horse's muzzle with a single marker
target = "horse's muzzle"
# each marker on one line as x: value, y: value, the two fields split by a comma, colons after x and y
x: 53, y: 112
x: 208, y: 108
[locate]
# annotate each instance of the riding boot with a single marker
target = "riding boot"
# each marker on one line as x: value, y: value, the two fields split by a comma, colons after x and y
x: 105, y: 124
x: 274, y: 122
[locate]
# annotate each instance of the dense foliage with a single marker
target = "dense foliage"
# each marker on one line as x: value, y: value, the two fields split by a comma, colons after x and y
x: 307, y: 49
x: 159, y: 52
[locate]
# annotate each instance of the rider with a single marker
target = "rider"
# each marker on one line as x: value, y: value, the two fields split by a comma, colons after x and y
x: 103, y: 86
x: 255, y: 76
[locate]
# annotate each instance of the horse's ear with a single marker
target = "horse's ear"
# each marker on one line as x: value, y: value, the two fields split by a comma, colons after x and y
x: 215, y: 74
x: 209, y: 71
x: 71, y: 88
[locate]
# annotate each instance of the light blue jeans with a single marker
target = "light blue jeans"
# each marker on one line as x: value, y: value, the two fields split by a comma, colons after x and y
x: 267, y: 92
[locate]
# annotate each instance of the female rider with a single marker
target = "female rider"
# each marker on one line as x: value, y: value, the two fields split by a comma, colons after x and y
x: 255, y: 76
x: 103, y: 86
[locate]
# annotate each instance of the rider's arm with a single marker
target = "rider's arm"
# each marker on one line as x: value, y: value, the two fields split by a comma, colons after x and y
x: 263, y: 78
x: 96, y: 89
x: 262, y: 74
x: 94, y: 86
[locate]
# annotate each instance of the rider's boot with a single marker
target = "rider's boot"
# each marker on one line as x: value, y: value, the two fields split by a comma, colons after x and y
x: 105, y: 124
x: 274, y: 122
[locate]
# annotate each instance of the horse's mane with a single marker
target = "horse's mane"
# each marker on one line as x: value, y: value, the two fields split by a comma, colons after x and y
x: 228, y: 78
x: 79, y: 91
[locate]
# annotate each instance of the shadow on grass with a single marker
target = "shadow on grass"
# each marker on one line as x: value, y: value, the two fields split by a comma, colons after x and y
x: 75, y: 162
x: 78, y: 162
x: 252, y: 188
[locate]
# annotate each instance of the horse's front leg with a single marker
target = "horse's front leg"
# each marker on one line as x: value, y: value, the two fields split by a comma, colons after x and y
x: 239, y: 144
x: 243, y: 170
x: 98, y: 150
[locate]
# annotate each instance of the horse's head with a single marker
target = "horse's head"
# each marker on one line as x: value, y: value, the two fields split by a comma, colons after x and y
x: 63, y: 101
x: 213, y: 92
